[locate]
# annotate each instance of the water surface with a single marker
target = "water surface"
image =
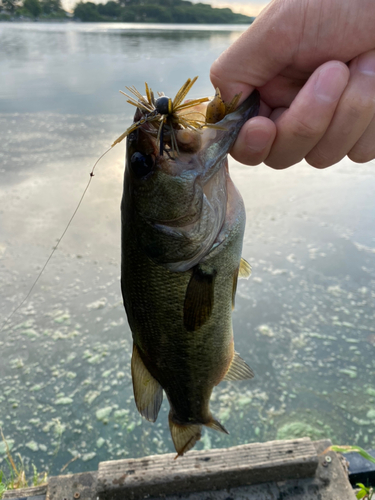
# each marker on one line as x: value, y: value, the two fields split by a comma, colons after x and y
x: 304, y: 321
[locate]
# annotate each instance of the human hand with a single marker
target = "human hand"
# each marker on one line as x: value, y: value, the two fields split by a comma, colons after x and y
x: 313, y: 62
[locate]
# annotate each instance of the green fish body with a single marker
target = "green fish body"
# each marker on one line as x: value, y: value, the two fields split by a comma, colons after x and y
x: 182, y: 230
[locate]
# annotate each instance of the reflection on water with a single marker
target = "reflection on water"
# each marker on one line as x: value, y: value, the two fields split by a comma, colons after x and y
x: 304, y: 321
x: 74, y: 68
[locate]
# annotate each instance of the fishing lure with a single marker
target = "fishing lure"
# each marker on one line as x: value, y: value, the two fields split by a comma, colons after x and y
x: 166, y: 114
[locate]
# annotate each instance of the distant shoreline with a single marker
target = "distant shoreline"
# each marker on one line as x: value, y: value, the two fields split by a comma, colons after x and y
x: 127, y: 11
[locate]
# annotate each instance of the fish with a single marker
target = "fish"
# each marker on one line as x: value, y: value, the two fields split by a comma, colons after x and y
x: 182, y: 225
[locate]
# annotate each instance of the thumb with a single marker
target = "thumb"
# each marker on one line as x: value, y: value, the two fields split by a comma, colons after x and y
x: 257, y: 56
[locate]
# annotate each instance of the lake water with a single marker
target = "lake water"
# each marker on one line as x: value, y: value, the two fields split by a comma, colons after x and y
x: 305, y: 321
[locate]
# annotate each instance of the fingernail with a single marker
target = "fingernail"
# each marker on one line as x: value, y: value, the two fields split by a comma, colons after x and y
x: 366, y: 63
x: 256, y: 140
x: 326, y: 86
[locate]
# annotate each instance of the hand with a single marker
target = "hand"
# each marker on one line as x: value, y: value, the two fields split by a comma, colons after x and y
x: 313, y: 62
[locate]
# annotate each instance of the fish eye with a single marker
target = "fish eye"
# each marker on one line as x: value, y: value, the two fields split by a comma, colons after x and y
x: 162, y: 105
x: 141, y: 165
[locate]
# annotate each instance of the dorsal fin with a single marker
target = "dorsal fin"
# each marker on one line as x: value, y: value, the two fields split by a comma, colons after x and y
x: 148, y: 393
x: 199, y: 299
x: 238, y: 370
x: 245, y: 269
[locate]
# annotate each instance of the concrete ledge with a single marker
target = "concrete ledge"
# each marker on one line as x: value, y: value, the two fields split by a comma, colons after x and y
x: 207, y: 470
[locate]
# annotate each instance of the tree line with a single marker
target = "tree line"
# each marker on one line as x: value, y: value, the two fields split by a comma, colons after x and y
x: 140, y: 11
x: 35, y: 9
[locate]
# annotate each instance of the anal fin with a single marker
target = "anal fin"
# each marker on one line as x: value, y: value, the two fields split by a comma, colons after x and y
x: 216, y: 425
x: 245, y: 269
x: 148, y: 393
x: 238, y: 370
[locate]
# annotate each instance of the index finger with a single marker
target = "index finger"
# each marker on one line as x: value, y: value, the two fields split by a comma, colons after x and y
x: 257, y: 56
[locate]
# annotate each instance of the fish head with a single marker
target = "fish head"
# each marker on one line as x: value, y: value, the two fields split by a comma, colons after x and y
x: 177, y: 201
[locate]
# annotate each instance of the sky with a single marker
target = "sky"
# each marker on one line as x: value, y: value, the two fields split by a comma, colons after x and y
x: 250, y: 7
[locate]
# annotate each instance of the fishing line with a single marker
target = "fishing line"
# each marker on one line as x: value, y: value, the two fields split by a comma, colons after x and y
x: 57, y: 244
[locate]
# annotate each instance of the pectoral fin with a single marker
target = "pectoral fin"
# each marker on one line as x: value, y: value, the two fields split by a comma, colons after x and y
x: 238, y: 370
x: 184, y: 436
x: 148, y: 393
x: 199, y: 299
x: 245, y: 269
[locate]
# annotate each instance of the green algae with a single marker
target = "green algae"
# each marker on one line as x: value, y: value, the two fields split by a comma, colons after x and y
x: 31, y: 333
x: 103, y: 413
x: 32, y: 445
x: 121, y: 413
x: 64, y: 401
x: 347, y: 371
x: 36, y: 388
x: 294, y: 430
x: 86, y: 457
x: 91, y: 396
x: 3, y: 449
x: 244, y: 401
x: 99, y: 442
x: 131, y: 427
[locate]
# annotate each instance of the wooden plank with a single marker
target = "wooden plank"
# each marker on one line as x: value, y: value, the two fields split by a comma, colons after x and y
x: 37, y: 492
x: 330, y: 482
x: 207, y: 470
x: 80, y: 486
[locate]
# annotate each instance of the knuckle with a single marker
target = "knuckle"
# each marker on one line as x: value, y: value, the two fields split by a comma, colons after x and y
x: 245, y: 157
x: 318, y: 163
x: 216, y: 72
x: 304, y: 130
x: 251, y: 159
x: 318, y: 158
x: 359, y: 154
x: 356, y: 107
x: 364, y: 149
x: 277, y: 164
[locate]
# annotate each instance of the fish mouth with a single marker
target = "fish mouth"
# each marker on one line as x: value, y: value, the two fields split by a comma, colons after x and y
x: 192, y: 140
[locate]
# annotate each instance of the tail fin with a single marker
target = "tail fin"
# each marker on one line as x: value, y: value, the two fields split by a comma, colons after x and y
x: 184, y: 436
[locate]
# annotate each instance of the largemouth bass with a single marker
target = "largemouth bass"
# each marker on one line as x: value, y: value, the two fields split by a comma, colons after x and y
x: 182, y: 230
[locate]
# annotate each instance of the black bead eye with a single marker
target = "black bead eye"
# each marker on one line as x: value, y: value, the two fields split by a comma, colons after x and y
x: 141, y: 165
x: 162, y: 105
